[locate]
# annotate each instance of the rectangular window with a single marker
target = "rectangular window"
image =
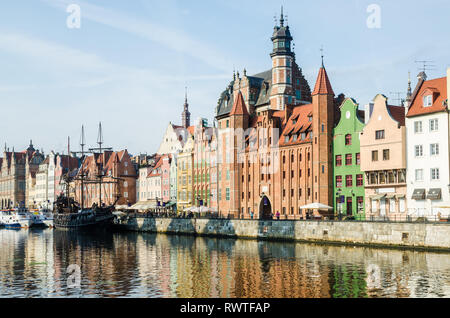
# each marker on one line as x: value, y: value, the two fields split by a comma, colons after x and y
x: 338, y: 160
x: 418, y: 150
x: 348, y: 140
x: 227, y: 194
x: 358, y: 159
x: 434, y: 173
x: 417, y: 127
x: 427, y: 101
x: 433, y: 124
x: 375, y: 155
x: 385, y: 154
x: 392, y: 205
x: 379, y: 134
x: 359, y: 180
x: 434, y: 149
x: 348, y: 159
x: 401, y: 203
x: 348, y: 181
x: 360, y: 204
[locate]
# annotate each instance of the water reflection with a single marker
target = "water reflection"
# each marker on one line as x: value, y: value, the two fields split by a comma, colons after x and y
x: 34, y: 264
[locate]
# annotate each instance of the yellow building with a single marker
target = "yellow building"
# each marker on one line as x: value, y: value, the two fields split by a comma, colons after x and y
x: 185, y: 160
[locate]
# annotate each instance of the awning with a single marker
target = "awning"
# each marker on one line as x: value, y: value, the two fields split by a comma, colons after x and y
x: 418, y: 194
x: 377, y: 196
x: 400, y: 196
x: 390, y: 196
x: 143, y: 205
x: 434, y: 194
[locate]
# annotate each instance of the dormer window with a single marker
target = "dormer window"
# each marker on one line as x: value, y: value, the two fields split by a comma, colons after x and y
x: 427, y: 100
x: 286, y: 139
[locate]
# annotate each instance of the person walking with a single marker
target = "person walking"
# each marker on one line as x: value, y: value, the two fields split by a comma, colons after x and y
x: 251, y: 215
x: 278, y: 215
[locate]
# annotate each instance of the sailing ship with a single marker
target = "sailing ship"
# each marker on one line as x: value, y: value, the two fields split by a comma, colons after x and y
x: 69, y: 213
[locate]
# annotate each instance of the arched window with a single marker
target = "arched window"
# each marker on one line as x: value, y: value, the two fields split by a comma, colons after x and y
x: 348, y: 139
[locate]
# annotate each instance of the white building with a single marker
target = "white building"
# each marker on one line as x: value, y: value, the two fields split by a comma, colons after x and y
x: 427, y: 144
x: 44, y: 192
x: 173, y: 140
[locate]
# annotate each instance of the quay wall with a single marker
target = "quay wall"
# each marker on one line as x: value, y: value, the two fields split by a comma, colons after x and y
x: 410, y: 235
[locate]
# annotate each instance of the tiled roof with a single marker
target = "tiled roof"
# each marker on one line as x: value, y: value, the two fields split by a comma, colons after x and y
x: 239, y: 107
x: 438, y: 88
x: 297, y: 123
x: 323, y: 85
x: 398, y: 113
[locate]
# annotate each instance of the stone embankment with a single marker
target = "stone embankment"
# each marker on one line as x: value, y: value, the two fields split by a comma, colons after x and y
x: 409, y: 235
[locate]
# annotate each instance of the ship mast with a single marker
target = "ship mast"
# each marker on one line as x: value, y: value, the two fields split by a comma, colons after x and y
x: 100, y: 150
x: 82, y: 144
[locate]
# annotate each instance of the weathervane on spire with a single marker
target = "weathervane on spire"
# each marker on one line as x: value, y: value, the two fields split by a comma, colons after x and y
x: 321, y: 53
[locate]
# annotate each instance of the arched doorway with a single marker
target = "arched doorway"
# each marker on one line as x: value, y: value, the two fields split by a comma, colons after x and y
x: 265, y: 208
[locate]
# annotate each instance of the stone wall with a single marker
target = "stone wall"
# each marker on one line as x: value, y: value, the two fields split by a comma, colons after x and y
x: 417, y: 235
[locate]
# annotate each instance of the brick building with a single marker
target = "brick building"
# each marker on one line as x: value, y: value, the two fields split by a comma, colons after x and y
x: 275, y: 139
x: 119, y: 179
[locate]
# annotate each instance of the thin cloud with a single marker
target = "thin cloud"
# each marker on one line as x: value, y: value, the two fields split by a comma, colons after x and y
x: 176, y: 40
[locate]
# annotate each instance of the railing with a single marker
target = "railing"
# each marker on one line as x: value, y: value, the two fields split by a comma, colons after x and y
x: 336, y: 218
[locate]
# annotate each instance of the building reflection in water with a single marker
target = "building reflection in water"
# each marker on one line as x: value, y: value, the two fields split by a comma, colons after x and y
x: 34, y: 264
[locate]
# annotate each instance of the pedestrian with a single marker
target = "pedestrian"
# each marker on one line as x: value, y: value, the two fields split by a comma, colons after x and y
x: 278, y: 215
x: 251, y: 215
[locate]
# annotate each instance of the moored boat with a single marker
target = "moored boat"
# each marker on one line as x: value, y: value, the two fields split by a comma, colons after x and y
x: 42, y: 218
x: 16, y: 218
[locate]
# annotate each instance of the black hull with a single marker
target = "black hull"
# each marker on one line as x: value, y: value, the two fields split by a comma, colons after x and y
x: 82, y: 220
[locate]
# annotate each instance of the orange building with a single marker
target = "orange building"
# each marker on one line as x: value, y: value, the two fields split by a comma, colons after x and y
x: 275, y: 139
x: 119, y: 179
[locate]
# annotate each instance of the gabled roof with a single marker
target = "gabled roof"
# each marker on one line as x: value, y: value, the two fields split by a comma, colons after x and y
x: 398, y: 113
x: 323, y: 85
x: 239, y: 107
x: 438, y: 88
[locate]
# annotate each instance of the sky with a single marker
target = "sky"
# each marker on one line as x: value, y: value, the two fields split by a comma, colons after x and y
x: 128, y: 63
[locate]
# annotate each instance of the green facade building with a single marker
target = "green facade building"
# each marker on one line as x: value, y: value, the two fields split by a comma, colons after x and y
x: 348, y: 178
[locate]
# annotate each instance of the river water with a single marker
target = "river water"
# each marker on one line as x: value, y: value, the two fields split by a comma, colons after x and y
x: 58, y: 263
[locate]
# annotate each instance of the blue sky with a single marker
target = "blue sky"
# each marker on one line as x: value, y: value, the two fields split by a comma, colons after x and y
x: 128, y: 64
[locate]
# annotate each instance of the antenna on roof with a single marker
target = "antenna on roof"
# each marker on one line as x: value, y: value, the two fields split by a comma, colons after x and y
x: 426, y: 65
x: 399, y: 99
x: 275, y: 19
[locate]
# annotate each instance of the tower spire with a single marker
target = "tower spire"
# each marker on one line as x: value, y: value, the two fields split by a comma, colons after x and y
x: 185, y: 115
x: 321, y: 55
x: 281, y: 18
x: 409, y: 92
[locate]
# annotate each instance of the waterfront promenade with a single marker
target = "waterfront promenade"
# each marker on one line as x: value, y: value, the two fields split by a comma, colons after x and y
x: 417, y: 235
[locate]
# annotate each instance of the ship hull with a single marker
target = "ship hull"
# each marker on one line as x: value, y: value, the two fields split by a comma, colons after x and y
x: 81, y: 220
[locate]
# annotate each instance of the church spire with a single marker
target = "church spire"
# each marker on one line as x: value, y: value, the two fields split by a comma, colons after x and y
x: 409, y: 93
x: 185, y: 115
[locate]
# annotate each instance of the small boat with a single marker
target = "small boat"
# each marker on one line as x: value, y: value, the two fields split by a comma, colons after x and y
x: 42, y: 218
x: 16, y: 218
